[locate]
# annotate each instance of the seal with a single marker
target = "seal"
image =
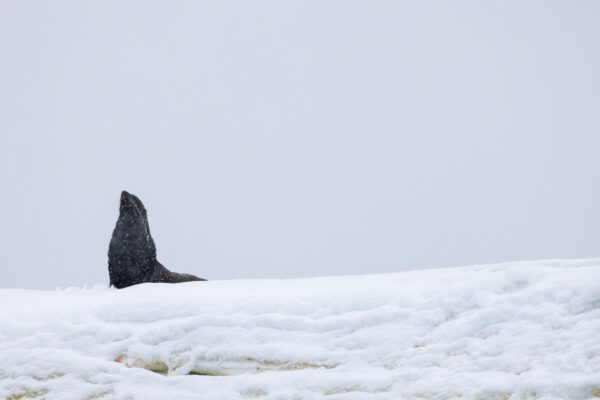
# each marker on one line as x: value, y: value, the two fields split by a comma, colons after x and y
x: 132, y: 252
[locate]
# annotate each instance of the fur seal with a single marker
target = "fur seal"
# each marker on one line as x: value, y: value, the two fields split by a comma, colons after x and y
x: 132, y: 252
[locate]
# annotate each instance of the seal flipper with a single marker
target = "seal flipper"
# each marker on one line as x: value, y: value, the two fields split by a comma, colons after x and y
x: 166, y: 276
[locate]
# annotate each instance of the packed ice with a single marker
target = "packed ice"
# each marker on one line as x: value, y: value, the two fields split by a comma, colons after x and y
x: 526, y: 330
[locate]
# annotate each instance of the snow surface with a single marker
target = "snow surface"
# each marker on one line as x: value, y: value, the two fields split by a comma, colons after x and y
x: 509, y: 331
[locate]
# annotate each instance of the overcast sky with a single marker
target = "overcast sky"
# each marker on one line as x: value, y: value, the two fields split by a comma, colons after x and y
x: 298, y: 138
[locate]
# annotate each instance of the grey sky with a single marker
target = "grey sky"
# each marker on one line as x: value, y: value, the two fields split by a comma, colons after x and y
x: 290, y: 139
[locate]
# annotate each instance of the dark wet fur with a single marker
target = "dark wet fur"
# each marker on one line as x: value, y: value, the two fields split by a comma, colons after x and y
x: 132, y: 252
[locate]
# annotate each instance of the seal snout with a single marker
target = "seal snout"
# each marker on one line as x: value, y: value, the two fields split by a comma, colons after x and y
x: 125, y: 198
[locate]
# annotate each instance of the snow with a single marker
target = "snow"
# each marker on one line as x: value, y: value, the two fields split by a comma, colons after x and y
x: 507, y: 331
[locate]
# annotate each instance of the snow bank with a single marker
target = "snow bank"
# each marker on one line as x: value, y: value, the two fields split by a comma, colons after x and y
x: 510, y: 331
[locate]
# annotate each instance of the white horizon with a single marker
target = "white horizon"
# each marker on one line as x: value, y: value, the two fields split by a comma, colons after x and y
x: 298, y: 139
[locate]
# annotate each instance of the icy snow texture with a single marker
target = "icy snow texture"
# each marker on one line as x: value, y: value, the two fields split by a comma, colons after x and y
x: 510, y: 331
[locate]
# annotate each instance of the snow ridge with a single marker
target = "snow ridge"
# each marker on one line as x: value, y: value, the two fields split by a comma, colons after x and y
x: 508, y: 331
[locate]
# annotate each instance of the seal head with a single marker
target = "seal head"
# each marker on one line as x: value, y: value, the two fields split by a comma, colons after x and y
x: 132, y: 252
